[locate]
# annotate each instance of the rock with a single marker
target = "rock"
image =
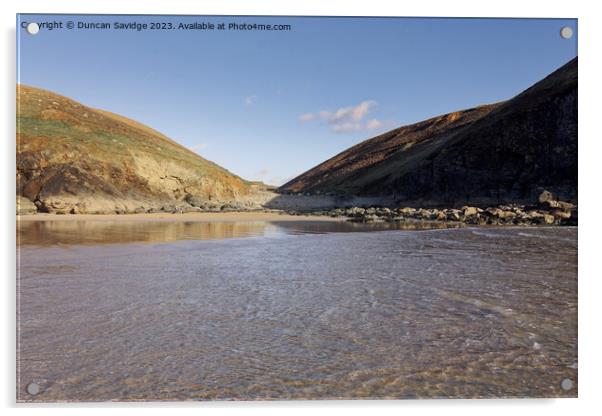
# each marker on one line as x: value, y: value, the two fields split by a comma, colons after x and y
x: 203, y: 203
x: 25, y: 206
x: 505, y: 215
x: 355, y: 212
x: 78, y: 208
x: 553, y: 204
x: 440, y: 215
x: 544, y: 197
x: 336, y: 213
x: 453, y: 215
x: 424, y: 214
x: 567, y: 206
x: 548, y: 219
x: 472, y: 219
x: 519, y: 212
x: 561, y: 214
x: 469, y: 211
x: 550, y: 204
x: 408, y: 212
x: 195, y: 201
x: 383, y: 212
x: 492, y: 211
x: 534, y: 215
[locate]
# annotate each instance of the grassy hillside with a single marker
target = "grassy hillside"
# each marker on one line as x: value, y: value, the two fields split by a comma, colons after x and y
x: 74, y: 158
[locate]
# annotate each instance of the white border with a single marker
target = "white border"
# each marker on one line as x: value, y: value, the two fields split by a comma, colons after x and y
x: 590, y: 150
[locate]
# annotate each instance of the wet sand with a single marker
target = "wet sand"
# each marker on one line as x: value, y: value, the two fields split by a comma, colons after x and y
x: 187, y: 217
x: 165, y: 228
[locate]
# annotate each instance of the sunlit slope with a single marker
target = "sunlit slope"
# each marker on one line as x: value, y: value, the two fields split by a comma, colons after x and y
x: 74, y: 158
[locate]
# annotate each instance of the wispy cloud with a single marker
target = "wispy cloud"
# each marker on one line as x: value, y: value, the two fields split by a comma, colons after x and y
x: 250, y: 100
x: 346, y: 127
x: 374, y: 124
x: 349, y: 114
x: 306, y: 117
x: 346, y: 119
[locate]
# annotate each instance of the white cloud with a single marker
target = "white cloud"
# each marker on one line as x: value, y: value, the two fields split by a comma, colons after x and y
x: 346, y: 127
x: 349, y: 114
x: 250, y: 99
x: 373, y: 124
x: 346, y: 119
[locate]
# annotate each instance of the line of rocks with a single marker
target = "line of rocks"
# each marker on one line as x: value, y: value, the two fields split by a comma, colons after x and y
x: 547, y: 211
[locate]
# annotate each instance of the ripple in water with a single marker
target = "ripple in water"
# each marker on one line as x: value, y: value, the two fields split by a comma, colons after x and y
x: 391, y: 314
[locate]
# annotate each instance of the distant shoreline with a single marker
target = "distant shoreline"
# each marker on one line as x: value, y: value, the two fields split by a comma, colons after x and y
x: 191, y: 217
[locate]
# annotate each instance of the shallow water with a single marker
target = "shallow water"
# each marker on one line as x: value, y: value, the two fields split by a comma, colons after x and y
x: 298, y: 313
x: 60, y: 232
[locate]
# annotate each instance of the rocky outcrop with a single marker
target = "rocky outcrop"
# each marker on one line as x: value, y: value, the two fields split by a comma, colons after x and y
x: 75, y: 159
x: 498, y: 154
x: 563, y: 214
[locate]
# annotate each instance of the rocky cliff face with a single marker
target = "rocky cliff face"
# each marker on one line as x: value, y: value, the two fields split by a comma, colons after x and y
x: 502, y: 153
x: 75, y: 159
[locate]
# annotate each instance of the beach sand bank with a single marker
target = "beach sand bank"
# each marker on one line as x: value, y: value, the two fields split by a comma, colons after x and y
x: 188, y: 217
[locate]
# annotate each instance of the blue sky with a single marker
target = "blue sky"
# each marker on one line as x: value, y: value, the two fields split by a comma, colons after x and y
x: 268, y: 105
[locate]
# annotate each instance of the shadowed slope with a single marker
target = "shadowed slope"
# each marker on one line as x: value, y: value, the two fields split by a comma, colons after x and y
x: 505, y: 152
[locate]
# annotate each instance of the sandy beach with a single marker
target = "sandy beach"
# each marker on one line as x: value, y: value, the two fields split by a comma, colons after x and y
x: 188, y: 217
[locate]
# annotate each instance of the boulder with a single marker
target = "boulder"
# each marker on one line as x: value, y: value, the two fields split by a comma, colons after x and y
x: 545, y: 196
x: 470, y: 211
x: 424, y: 214
x: 354, y: 212
x: 533, y: 215
x: 567, y: 206
x: 548, y: 219
x: 506, y: 215
x: 453, y: 215
x: 383, y: 212
x: 407, y: 212
x: 549, y: 204
x: 203, y: 203
x: 561, y: 214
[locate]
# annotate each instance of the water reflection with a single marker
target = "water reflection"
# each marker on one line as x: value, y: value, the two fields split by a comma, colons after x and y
x: 450, y: 313
x: 55, y: 232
